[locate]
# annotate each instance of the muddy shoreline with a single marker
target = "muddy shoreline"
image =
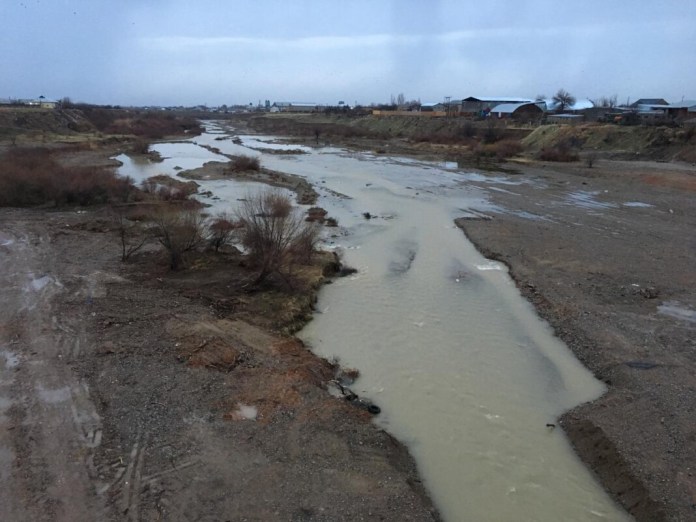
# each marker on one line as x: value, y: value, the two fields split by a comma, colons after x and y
x: 601, y: 272
x: 129, y: 391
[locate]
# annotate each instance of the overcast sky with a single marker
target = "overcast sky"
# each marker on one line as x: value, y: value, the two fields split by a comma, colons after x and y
x: 174, y: 52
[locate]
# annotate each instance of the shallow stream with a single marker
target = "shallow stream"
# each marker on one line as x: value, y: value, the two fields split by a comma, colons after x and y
x: 465, y: 372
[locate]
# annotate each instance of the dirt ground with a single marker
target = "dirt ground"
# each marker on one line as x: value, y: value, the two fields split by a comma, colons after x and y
x: 130, y: 392
x: 608, y: 256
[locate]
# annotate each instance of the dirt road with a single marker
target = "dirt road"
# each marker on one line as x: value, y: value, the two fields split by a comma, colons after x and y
x: 608, y: 257
x: 128, y: 394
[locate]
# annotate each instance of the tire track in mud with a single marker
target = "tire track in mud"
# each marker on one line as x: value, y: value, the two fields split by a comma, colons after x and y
x: 51, y: 427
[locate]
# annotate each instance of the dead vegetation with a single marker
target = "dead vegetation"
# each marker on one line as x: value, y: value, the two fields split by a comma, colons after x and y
x: 275, y: 235
x: 33, y: 177
x: 245, y: 163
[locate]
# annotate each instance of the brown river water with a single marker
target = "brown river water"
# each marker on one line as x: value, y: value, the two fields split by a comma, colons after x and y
x: 467, y: 375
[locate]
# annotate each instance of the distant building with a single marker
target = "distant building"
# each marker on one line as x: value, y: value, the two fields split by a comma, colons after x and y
x: 433, y: 107
x: 295, y: 107
x: 482, y: 105
x: 682, y: 110
x: 648, y: 101
x: 517, y: 111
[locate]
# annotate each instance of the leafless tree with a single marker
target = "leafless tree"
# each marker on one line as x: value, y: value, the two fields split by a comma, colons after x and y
x: 563, y: 99
x: 275, y: 234
x: 178, y: 231
x: 130, y: 233
x: 607, y: 101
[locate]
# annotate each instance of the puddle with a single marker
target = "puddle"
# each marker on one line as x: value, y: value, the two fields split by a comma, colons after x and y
x: 39, y: 283
x: 11, y: 360
x: 585, y: 199
x: 244, y: 412
x: 677, y: 311
x: 637, y: 204
x: 53, y: 396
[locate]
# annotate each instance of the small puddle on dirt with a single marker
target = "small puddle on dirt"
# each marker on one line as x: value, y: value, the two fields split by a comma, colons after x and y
x: 244, y: 412
x: 637, y: 204
x: 37, y: 284
x: 10, y: 359
x: 677, y: 311
x: 53, y: 396
x: 585, y: 199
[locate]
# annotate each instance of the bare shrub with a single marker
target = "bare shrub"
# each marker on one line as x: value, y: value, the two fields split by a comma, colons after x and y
x: 32, y: 176
x: 590, y: 159
x: 130, y: 232
x: 275, y: 234
x: 245, y: 163
x: 468, y: 130
x: 560, y: 153
x: 140, y: 146
x: 221, y: 231
x: 492, y: 133
x: 178, y: 231
x: 316, y: 214
x: 502, y: 149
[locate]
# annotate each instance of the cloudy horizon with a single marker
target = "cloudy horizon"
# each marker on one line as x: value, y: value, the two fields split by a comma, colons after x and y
x: 170, y: 52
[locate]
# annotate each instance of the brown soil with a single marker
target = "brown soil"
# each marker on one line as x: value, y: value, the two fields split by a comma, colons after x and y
x: 126, y: 389
x: 599, y: 274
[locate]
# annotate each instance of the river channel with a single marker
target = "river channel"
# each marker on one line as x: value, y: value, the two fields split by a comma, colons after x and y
x: 466, y: 374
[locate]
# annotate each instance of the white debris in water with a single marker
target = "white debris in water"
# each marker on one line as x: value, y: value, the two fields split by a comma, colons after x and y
x: 53, y: 396
x: 6, y: 242
x: 491, y: 265
x: 676, y: 310
x: 246, y: 412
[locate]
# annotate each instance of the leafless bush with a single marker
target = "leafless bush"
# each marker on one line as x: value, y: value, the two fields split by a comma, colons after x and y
x: 178, y: 231
x: 590, y: 159
x: 275, y: 235
x: 245, y: 163
x: 492, y: 133
x: 561, y: 153
x: 221, y: 231
x: 32, y: 176
x: 130, y: 232
x: 140, y: 146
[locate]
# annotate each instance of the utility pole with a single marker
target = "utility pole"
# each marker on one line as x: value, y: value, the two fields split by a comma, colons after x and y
x: 447, y: 106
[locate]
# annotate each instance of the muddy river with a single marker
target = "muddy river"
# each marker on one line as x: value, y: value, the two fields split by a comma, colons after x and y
x: 465, y: 372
